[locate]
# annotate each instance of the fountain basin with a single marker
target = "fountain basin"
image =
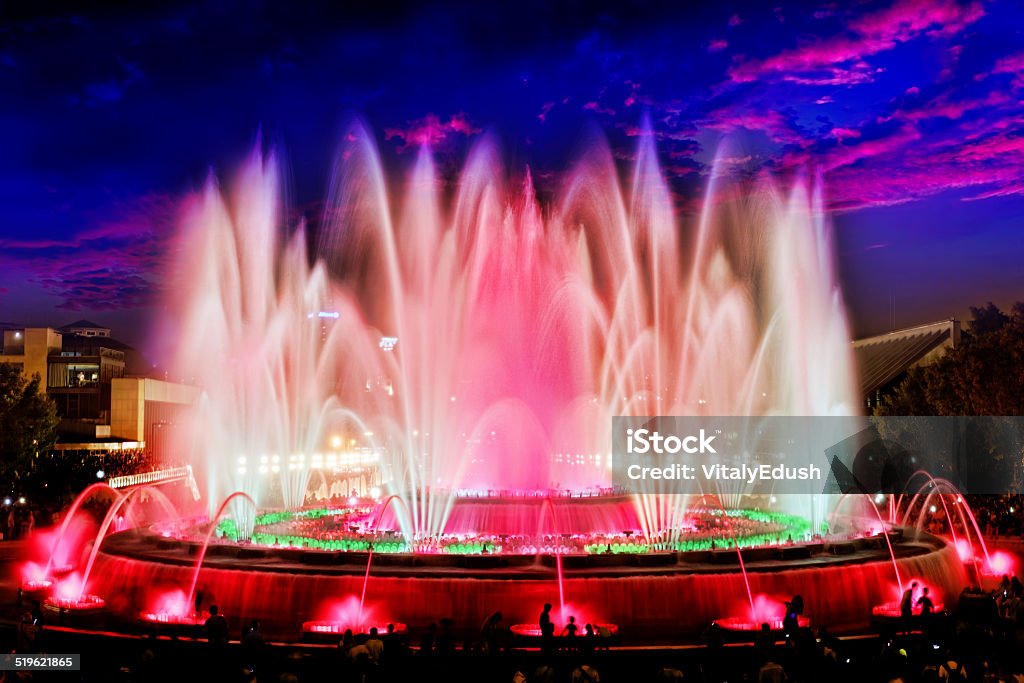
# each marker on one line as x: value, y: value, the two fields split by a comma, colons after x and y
x: 86, y: 611
x: 324, y: 630
x: 651, y: 600
x: 603, y: 631
x: 748, y: 625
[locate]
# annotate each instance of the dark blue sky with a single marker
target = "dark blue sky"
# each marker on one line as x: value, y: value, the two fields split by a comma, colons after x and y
x: 911, y: 110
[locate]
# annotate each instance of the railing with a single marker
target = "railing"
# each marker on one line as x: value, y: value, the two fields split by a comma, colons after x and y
x: 153, y: 477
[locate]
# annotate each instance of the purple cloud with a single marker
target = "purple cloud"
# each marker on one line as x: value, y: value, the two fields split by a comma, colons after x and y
x: 112, y: 265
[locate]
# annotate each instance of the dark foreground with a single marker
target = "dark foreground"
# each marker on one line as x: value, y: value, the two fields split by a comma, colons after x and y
x: 985, y: 652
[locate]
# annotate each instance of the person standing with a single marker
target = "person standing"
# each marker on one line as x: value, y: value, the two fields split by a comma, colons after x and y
x: 547, y: 629
x: 907, y: 605
x: 217, y: 628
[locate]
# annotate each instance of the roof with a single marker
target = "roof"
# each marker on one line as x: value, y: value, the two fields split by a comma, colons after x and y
x: 84, y: 324
x: 884, y: 358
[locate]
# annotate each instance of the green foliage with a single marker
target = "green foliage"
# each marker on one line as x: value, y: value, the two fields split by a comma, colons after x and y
x: 28, y: 423
x: 982, y: 376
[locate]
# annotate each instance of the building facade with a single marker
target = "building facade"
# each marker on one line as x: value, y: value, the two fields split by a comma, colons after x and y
x: 101, y: 408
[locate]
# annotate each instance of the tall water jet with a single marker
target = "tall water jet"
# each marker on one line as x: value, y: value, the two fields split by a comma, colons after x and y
x: 485, y: 342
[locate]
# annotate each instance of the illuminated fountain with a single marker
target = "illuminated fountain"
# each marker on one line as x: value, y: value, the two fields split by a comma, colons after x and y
x: 462, y: 353
x: 514, y: 332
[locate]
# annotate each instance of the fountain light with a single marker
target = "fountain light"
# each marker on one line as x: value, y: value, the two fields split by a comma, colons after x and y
x: 100, y: 474
x: 335, y: 441
x: 85, y: 603
x: 171, y: 618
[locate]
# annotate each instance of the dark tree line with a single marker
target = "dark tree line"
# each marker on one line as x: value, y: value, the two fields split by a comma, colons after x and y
x: 28, y: 424
x: 984, y: 375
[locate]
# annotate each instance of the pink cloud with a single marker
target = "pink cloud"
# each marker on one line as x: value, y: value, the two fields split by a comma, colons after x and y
x: 717, y: 45
x: 953, y: 109
x: 860, y: 153
x: 844, y: 133
x: 431, y: 131
x: 1004, y: 191
x: 839, y: 60
x: 899, y: 171
x: 1012, y: 64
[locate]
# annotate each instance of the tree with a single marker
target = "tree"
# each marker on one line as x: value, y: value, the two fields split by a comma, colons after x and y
x: 982, y: 376
x: 28, y: 423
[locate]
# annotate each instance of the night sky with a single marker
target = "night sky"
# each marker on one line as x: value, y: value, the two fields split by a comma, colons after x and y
x: 911, y: 111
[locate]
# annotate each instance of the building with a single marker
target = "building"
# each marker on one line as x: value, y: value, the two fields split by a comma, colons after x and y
x: 103, y: 407
x: 79, y: 378
x: 85, y: 328
x: 30, y: 349
x: 883, y: 360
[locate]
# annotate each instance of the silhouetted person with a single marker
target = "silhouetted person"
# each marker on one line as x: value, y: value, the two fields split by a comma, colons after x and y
x: 253, y: 644
x: 798, y: 604
x: 427, y: 640
x: 907, y: 605
x: 589, y: 638
x: 764, y: 643
x: 925, y: 603
x: 199, y: 600
x: 585, y: 674
x: 375, y: 646
x: 570, y: 633
x: 446, y: 638
x: 490, y: 633
x: 790, y: 622
x: 217, y: 628
x: 547, y: 628
x: 346, y: 642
